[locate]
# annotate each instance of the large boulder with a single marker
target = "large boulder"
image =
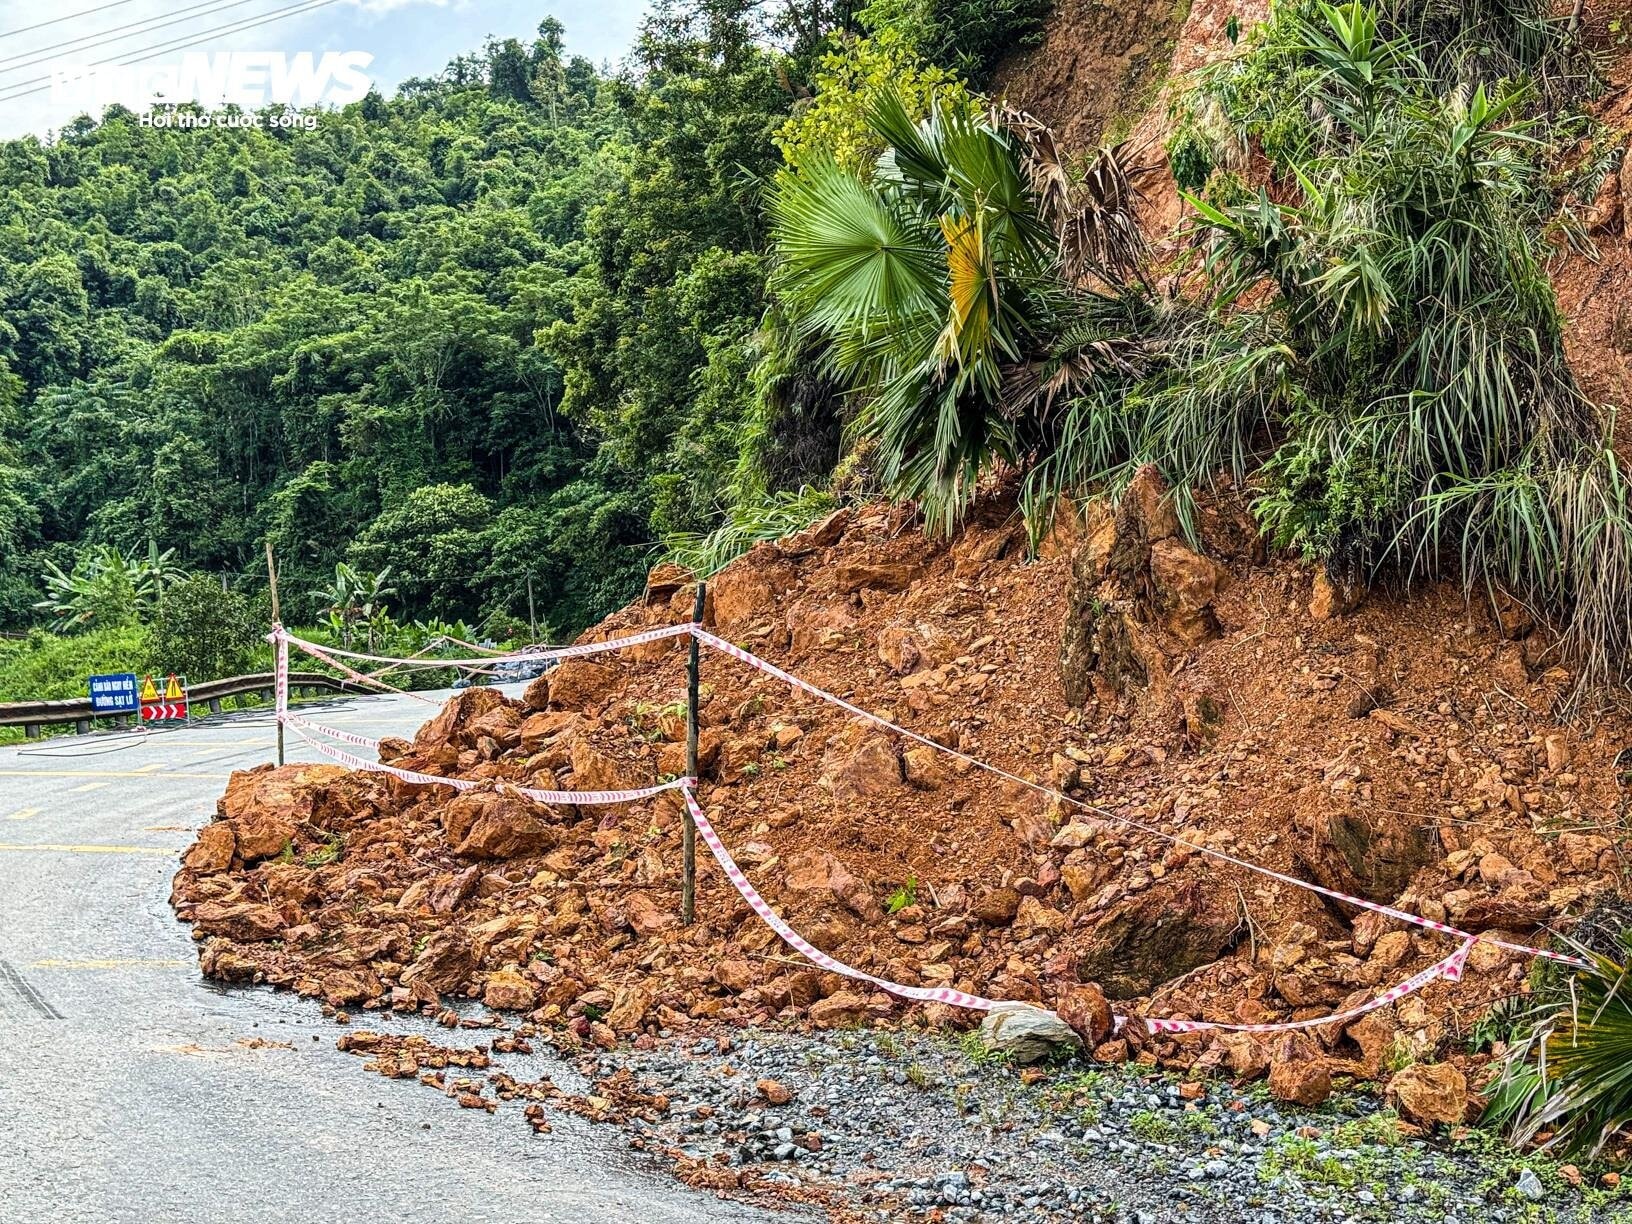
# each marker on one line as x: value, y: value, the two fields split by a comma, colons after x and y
x: 451, y: 724
x: 444, y: 964
x: 213, y: 850
x: 1136, y: 943
x: 865, y: 770
x: 1027, y: 1034
x: 1368, y: 849
x: 510, y: 990
x: 489, y: 825
x: 243, y: 922
x: 1431, y: 1092
x: 818, y: 874
x: 1183, y: 586
x: 579, y: 684
x: 1298, y: 1072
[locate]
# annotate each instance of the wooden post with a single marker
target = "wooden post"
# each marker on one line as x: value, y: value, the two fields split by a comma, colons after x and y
x: 532, y: 621
x: 279, y: 648
x: 688, y: 845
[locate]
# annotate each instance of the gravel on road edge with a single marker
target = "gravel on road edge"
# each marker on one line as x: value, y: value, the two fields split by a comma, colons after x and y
x: 887, y: 1126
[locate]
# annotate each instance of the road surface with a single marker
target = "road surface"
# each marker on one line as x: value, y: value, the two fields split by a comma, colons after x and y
x: 126, y: 1090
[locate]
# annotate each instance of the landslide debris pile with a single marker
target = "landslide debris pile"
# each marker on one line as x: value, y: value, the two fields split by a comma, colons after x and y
x: 1403, y: 750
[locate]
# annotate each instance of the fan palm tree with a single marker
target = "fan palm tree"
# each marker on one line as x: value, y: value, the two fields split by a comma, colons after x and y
x: 940, y: 283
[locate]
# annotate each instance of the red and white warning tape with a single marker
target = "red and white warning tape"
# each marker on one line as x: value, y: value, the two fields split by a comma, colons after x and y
x: 809, y: 950
x: 753, y: 660
x: 1450, y: 967
x: 301, y: 727
x: 531, y: 654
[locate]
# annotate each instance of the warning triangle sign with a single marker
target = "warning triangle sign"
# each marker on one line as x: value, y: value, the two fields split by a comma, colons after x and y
x: 149, y: 692
x: 172, y: 691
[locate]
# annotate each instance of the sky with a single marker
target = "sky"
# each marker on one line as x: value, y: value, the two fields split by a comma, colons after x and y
x: 407, y: 38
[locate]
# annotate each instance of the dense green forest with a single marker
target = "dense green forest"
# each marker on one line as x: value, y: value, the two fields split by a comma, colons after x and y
x: 481, y: 349
x: 503, y: 325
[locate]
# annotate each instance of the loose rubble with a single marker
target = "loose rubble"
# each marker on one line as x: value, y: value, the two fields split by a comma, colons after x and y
x: 1400, y: 749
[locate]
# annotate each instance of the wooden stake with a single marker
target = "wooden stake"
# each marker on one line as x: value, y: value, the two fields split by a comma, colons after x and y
x: 688, y: 845
x: 277, y: 620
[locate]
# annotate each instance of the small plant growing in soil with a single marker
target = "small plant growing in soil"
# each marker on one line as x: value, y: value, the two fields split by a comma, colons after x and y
x: 903, y: 896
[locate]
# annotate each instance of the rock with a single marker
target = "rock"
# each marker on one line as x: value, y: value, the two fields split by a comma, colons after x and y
x: 1298, y: 1074
x: 925, y: 768
x: 538, y: 729
x: 869, y: 770
x: 737, y: 595
x: 629, y: 1010
x: 1088, y: 1013
x: 510, y: 990
x: 1529, y: 1185
x: 596, y: 770
x: 665, y: 581
x: 261, y: 835
x: 735, y: 976
x: 1587, y: 853
x: 1147, y: 510
x: 444, y: 964
x: 1391, y: 950
x: 996, y: 906
x: 647, y: 918
x: 852, y: 576
x: 818, y: 871
x: 488, y: 825
x: 1332, y: 597
x: 213, y: 850
x: 1132, y: 944
x: 536, y: 696
x: 244, y: 922
x: 579, y: 684
x: 1431, y: 1092
x: 1184, y: 584
x: 814, y: 625
x: 452, y: 722
x: 220, y: 960
x: 1368, y: 849
x: 841, y: 1010
x: 773, y: 1092
x: 824, y: 533
x: 899, y: 649
x: 1033, y: 917
x: 1026, y: 1034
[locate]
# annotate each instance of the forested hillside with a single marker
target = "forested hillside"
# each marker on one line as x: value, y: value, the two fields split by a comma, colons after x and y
x: 500, y: 325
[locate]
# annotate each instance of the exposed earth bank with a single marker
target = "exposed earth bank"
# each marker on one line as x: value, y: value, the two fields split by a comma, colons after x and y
x: 1409, y: 751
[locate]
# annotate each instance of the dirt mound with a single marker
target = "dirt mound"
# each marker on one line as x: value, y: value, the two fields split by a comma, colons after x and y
x: 1404, y: 751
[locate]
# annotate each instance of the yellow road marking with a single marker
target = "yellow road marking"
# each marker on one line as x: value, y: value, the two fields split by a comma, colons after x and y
x: 67, y: 849
x: 147, y: 769
x: 98, y: 773
x: 23, y: 813
x: 89, y: 786
x: 126, y: 962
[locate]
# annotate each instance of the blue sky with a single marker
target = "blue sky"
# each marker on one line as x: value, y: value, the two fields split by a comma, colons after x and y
x: 407, y: 38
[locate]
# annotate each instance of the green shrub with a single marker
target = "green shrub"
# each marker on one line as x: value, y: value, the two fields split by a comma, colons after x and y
x: 204, y: 632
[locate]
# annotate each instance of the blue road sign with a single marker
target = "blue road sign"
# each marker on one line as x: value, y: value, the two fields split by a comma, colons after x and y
x: 115, y: 694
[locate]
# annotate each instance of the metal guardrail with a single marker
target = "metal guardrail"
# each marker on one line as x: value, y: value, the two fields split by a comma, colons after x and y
x: 32, y: 715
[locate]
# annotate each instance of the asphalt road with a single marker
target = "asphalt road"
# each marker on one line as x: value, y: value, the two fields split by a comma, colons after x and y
x: 127, y: 1092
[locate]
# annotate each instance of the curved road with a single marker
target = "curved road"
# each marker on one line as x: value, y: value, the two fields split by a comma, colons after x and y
x: 128, y: 1089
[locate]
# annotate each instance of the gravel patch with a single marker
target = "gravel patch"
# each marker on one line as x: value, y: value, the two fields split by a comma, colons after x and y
x: 889, y: 1126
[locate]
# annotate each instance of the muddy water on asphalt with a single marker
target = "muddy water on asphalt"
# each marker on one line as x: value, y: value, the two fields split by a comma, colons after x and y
x: 130, y: 1088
